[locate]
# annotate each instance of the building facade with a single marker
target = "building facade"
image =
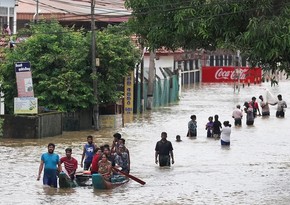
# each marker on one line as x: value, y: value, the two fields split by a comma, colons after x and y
x: 8, y: 14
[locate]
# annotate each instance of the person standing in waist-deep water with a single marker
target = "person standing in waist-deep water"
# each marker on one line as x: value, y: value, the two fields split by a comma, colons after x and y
x: 226, y: 133
x: 238, y: 115
x: 217, y: 125
x: 281, y: 105
x: 209, y: 127
x: 255, y: 106
x: 70, y: 163
x: 192, y: 126
x: 51, y: 163
x: 265, y: 106
x: 88, y: 153
x: 250, y: 115
x: 163, y: 151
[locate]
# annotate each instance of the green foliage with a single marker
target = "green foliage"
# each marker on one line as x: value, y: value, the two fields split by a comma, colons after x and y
x: 259, y: 28
x: 61, y: 70
x: 118, y: 56
x: 58, y: 58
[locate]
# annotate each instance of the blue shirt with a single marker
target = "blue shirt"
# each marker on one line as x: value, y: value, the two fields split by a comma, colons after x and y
x: 50, y: 160
x: 89, y: 151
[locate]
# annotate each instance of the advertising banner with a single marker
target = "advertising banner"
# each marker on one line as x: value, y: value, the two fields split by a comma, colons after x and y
x: 128, y: 94
x: 25, y: 105
x: 219, y: 74
x: 24, y: 79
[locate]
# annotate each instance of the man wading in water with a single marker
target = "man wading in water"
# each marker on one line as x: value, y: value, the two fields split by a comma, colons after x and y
x: 164, y: 150
x: 50, y: 162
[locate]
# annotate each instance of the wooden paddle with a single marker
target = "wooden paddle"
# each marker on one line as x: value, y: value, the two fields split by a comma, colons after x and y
x: 130, y: 176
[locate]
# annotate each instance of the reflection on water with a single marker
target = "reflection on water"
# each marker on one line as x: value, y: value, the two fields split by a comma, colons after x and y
x: 253, y: 170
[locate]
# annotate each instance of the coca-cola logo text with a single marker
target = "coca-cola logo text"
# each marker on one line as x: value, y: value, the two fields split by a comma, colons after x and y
x: 230, y: 74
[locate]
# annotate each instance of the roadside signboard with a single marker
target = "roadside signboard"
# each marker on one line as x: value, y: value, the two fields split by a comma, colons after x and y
x: 228, y: 74
x: 25, y: 105
x: 128, y: 97
x: 24, y: 79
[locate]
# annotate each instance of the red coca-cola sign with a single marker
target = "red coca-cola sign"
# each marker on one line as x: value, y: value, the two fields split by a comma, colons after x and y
x: 215, y: 74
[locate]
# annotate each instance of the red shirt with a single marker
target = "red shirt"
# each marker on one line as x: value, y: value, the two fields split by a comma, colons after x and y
x: 95, y: 163
x: 69, y: 164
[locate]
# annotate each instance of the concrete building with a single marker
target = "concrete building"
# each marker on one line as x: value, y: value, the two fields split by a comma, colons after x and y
x: 7, y: 14
x: 68, y: 12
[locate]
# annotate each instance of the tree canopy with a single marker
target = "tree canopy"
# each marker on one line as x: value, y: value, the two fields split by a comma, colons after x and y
x: 61, y: 71
x: 260, y: 29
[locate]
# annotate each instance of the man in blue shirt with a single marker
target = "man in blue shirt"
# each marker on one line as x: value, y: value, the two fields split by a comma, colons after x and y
x: 50, y: 162
x: 88, y: 153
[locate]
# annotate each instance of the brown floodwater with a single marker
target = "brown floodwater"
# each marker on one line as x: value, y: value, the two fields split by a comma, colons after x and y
x: 255, y: 169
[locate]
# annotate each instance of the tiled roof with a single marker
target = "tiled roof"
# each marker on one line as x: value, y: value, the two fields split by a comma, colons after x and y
x: 108, y: 10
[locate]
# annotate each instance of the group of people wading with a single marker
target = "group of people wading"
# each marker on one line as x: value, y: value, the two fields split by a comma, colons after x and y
x: 104, y: 160
x: 252, y: 110
x: 213, y: 128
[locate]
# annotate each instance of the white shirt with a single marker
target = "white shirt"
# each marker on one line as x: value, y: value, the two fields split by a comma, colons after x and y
x: 226, y: 134
x: 237, y: 114
x: 281, y: 105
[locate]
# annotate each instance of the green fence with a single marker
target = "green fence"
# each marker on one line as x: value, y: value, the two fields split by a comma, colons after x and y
x: 166, y: 91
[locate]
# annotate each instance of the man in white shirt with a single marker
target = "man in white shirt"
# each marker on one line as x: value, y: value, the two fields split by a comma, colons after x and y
x: 281, y: 104
x: 265, y: 106
x: 238, y: 115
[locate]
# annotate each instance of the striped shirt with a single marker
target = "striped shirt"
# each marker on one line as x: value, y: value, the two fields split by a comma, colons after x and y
x: 69, y: 164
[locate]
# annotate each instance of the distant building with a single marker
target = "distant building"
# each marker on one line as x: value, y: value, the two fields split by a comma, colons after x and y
x: 17, y: 13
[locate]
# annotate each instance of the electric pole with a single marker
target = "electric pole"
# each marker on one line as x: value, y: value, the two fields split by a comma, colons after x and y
x: 94, y: 67
x: 151, y: 79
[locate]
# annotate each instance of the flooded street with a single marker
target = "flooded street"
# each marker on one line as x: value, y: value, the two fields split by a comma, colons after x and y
x: 254, y: 170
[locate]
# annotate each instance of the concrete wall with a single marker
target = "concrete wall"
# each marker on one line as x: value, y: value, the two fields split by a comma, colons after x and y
x: 32, y: 126
x: 110, y: 121
x: 76, y: 121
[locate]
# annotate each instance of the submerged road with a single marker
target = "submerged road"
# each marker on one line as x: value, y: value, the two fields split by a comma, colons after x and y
x: 254, y: 170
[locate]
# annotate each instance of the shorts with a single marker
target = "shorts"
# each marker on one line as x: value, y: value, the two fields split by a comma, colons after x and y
x: 50, y: 177
x: 164, y: 160
x: 238, y: 121
x: 265, y: 113
x: 87, y: 165
x: 280, y: 113
x: 225, y: 143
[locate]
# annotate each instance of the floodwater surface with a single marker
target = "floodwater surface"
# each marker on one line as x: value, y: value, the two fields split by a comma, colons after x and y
x: 255, y: 169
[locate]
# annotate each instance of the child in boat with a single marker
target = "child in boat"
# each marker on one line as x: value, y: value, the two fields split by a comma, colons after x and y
x: 209, y: 126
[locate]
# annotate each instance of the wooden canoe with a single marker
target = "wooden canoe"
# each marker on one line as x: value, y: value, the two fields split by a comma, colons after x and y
x: 100, y: 183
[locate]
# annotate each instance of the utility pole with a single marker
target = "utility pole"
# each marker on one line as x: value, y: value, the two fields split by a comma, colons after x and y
x: 94, y: 67
x: 152, y: 75
x: 37, y: 9
x: 237, y: 72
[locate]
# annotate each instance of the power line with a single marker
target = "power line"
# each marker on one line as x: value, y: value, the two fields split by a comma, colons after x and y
x: 183, y: 20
